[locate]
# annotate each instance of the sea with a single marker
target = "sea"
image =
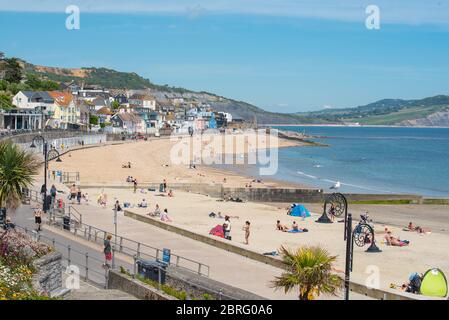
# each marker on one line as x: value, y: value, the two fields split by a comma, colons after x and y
x: 386, y: 160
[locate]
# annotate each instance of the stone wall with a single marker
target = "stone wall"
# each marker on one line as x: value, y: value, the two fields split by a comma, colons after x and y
x: 196, y: 285
x: 140, y: 290
x: 48, y: 277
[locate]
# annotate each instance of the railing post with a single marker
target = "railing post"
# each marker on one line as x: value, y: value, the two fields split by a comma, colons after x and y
x: 134, y: 266
x: 220, y: 293
x: 87, y: 265
x: 121, y: 244
x: 199, y: 268
x: 157, y: 254
x: 90, y: 231
x: 177, y: 261
x: 68, y: 254
x: 53, y: 242
x: 138, y: 249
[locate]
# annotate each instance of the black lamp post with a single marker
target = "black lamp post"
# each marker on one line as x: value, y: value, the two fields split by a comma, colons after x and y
x: 48, y: 156
x: 359, y: 235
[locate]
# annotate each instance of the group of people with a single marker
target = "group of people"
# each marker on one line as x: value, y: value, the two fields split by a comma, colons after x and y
x: 295, y: 227
x: 163, y: 215
x: 75, y: 194
x: 127, y: 165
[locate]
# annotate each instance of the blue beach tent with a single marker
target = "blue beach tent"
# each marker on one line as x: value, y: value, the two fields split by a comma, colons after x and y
x: 298, y: 210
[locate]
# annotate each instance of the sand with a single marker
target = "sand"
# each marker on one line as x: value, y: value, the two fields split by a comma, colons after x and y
x: 150, y: 163
x: 190, y: 211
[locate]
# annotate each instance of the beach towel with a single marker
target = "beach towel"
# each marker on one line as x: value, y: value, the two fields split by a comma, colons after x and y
x: 298, y: 231
x: 298, y: 210
x: 217, y: 231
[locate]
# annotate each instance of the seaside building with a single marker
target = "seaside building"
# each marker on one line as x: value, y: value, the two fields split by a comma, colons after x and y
x: 65, y: 113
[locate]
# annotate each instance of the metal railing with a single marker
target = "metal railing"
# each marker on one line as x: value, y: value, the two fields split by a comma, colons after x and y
x: 124, y: 245
x: 63, y: 177
x: 129, y: 247
x: 91, y: 268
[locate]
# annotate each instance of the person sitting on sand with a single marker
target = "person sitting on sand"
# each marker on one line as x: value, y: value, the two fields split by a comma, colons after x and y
x: 165, y: 217
x: 281, y: 227
x: 396, y: 242
x: 156, y: 212
x: 170, y: 193
x: 418, y: 229
x: 143, y: 204
x: 296, y: 228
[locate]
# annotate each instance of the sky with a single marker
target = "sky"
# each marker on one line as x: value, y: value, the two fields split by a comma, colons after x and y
x: 281, y: 55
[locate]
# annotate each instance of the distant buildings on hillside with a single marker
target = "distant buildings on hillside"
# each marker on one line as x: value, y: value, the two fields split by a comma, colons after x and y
x: 115, y: 111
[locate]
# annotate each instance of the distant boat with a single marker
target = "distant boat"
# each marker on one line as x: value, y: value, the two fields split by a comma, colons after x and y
x: 336, y: 185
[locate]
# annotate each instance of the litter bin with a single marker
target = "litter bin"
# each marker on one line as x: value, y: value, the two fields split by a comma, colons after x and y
x: 151, y: 270
x: 66, y: 223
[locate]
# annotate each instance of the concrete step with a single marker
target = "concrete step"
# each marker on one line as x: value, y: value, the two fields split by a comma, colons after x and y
x: 88, y: 291
x: 100, y: 295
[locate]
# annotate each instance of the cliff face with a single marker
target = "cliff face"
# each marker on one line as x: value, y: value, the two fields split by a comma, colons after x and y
x: 438, y: 119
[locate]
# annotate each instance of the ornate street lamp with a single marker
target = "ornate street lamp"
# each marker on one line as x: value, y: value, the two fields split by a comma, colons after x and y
x: 48, y: 156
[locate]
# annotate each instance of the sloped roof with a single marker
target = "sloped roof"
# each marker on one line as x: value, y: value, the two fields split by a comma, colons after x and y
x: 141, y: 96
x: 61, y: 98
x: 129, y: 116
x: 105, y: 111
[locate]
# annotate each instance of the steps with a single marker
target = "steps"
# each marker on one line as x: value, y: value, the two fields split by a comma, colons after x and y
x: 88, y: 291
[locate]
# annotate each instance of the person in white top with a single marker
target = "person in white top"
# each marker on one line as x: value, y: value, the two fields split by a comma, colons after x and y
x: 227, y: 227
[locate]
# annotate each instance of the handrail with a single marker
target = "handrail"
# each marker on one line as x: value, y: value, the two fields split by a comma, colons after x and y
x: 67, y: 255
x: 134, y: 248
x: 76, y: 213
x: 92, y: 233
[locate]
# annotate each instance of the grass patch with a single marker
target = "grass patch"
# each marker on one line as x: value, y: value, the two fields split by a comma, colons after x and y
x: 404, y: 201
x: 178, y: 294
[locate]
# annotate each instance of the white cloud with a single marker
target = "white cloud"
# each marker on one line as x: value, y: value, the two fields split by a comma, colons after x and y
x: 397, y: 11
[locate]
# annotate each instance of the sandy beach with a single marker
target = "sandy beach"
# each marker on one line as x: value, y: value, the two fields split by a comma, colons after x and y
x: 151, y: 164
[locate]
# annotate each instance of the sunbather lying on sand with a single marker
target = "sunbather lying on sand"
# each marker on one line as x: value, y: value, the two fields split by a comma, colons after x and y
x: 393, y: 241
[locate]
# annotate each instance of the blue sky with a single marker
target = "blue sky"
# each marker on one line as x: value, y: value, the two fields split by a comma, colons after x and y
x: 282, y: 55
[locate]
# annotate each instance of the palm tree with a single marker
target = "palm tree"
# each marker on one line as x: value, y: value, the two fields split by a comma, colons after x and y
x: 309, y: 269
x: 17, y: 168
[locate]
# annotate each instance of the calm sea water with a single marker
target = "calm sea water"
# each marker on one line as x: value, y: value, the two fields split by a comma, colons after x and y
x: 370, y: 160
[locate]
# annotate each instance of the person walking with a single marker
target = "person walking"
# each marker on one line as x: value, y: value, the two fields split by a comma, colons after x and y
x: 53, y: 193
x: 38, y: 219
x: 247, y: 232
x: 78, y: 195
x: 107, y: 251
x: 135, y: 185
